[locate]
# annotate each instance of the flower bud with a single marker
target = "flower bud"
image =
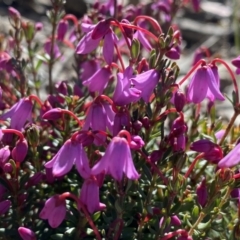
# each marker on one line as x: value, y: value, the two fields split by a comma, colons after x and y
x: 14, y: 13
x: 20, y: 150
x: 156, y: 155
x: 146, y: 122
x: 214, y: 155
x: 62, y: 29
x: 202, y: 193
x: 224, y: 176
x: 26, y: 233
x: 202, y: 145
x: 7, y: 168
x: 38, y: 26
x: 34, y: 180
x: 53, y: 114
x: 179, y: 100
x: 4, y: 155
x: 33, y: 134
x: 136, y: 142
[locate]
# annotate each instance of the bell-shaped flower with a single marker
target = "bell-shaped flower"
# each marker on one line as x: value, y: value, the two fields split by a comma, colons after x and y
x: 202, y: 84
x: 146, y: 82
x: 125, y: 92
x: 231, y: 159
x: 20, y: 113
x: 93, y: 37
x: 54, y: 211
x: 99, y: 80
x: 174, y: 53
x: 236, y: 63
x: 89, y: 195
x: 99, y: 117
x: 88, y: 68
x: 26, y: 233
x: 72, y: 152
x: 117, y: 160
x: 121, y: 121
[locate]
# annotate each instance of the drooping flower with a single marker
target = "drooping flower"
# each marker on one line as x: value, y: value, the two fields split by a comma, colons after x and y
x: 125, y: 92
x: 69, y: 154
x: 98, y: 80
x: 89, y: 195
x: 236, y: 63
x: 99, y: 117
x: 117, y: 160
x: 231, y: 159
x: 202, y: 84
x: 95, y: 33
x: 26, y: 233
x: 54, y: 211
x: 146, y: 82
x: 20, y: 113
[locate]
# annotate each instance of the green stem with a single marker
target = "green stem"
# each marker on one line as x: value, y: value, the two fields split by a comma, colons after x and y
x: 200, y: 218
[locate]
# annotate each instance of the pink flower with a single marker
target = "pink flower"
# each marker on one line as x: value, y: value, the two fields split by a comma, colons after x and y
x: 231, y: 159
x: 56, y: 51
x: 98, y: 80
x: 89, y: 195
x: 20, y: 113
x: 146, y: 82
x: 26, y: 233
x: 62, y: 29
x: 202, y: 193
x: 95, y: 33
x: 20, y: 150
x: 125, y: 92
x: 70, y: 153
x: 54, y: 211
x: 117, y: 160
x: 236, y: 63
x: 4, y: 155
x: 204, y: 84
x: 99, y: 117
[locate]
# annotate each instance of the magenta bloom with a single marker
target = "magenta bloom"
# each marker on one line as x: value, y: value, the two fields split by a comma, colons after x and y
x: 89, y: 195
x: 26, y: 233
x: 20, y: 113
x: 146, y: 82
x: 100, y: 116
x: 204, y: 83
x: 4, y: 155
x: 95, y: 33
x: 54, y: 211
x: 117, y: 160
x: 62, y: 29
x: 231, y: 159
x: 4, y: 206
x: 56, y: 51
x: 236, y: 63
x: 88, y: 68
x: 124, y: 92
x: 70, y: 153
x: 98, y: 81
x: 20, y: 150
x: 202, y: 193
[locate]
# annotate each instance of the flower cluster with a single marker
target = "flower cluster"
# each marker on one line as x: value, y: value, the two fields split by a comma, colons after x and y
x: 124, y: 151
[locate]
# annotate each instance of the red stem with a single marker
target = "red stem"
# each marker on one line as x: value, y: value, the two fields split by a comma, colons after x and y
x: 199, y: 156
x: 153, y: 22
x: 119, y: 56
x: 90, y: 221
x: 170, y: 110
x: 72, y: 18
x: 202, y: 61
x: 172, y: 234
x: 35, y: 98
x: 20, y: 135
x: 125, y: 133
x: 232, y: 75
x: 73, y: 115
